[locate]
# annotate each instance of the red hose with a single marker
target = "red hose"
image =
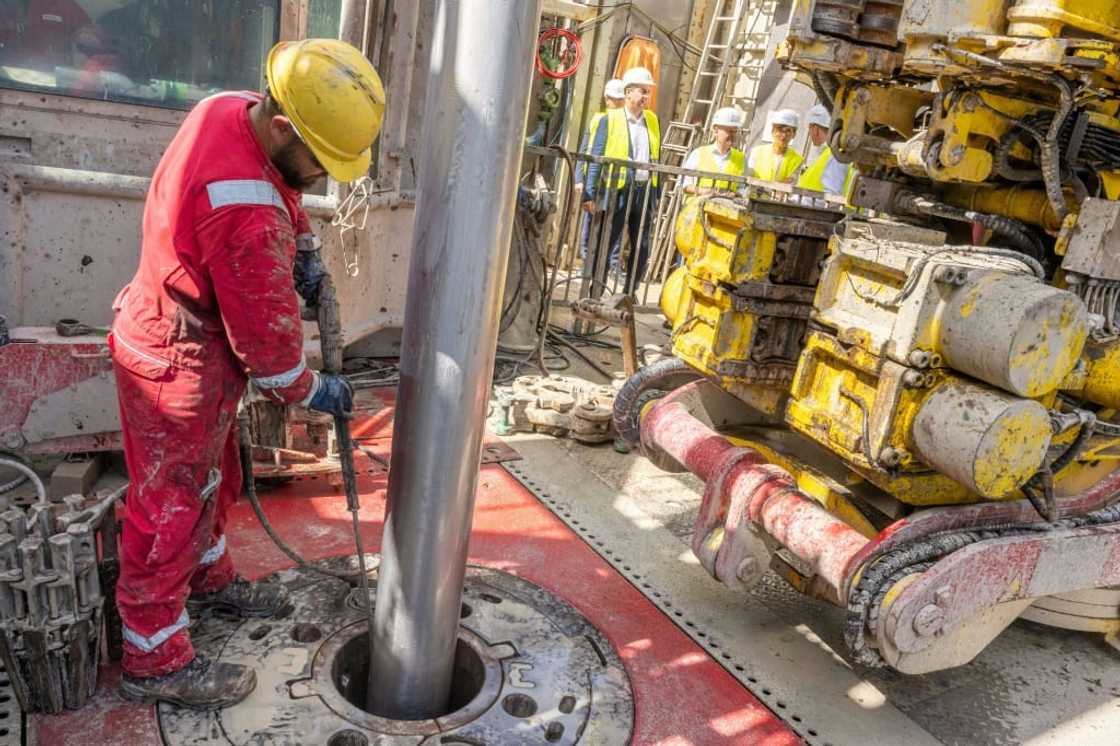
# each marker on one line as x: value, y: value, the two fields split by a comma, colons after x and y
x: 576, y: 52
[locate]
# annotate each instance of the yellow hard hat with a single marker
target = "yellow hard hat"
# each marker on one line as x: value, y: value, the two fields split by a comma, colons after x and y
x: 334, y: 99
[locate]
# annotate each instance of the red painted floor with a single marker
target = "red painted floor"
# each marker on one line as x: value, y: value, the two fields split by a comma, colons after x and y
x: 682, y: 696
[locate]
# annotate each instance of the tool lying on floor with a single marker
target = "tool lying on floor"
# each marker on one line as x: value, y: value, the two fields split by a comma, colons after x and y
x: 75, y: 328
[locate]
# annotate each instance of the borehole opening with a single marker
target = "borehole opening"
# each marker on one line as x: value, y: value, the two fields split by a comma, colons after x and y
x: 350, y: 671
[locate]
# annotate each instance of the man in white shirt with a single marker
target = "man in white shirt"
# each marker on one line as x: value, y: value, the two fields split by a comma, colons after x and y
x: 824, y: 173
x: 629, y: 133
x: 718, y: 157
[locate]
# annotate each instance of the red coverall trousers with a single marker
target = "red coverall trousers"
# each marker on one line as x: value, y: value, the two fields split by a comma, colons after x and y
x: 167, y: 420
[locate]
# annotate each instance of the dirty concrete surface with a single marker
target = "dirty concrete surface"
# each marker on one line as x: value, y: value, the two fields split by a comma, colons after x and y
x: 1033, y: 685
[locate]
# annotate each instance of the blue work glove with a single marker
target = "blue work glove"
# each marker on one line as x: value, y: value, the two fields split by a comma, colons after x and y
x: 333, y: 395
x: 309, y: 269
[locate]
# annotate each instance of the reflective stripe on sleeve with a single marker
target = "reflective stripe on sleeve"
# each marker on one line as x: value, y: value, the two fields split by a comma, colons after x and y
x: 243, y: 192
x: 280, y: 380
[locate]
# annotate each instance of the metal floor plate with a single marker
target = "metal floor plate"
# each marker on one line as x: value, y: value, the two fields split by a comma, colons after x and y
x: 539, y: 671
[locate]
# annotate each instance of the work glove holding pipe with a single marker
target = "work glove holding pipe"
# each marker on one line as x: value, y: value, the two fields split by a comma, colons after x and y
x: 309, y: 269
x: 332, y: 394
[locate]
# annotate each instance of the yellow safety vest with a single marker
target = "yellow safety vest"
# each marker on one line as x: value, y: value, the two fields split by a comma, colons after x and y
x: 593, y: 126
x: 618, y: 141
x: 813, y: 177
x: 736, y: 165
x: 766, y: 164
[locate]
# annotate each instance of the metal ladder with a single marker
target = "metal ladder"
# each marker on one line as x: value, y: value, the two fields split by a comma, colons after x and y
x: 735, y: 43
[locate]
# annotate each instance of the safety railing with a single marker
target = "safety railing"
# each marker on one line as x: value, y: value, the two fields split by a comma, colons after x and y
x: 619, y: 245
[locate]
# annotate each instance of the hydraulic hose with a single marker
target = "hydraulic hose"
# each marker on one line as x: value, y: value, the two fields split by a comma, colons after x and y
x: 825, y: 88
x: 1012, y: 231
x: 246, y: 451
x: 9, y: 486
x: 1051, y: 163
x: 663, y: 376
x: 882, y: 570
x: 27, y: 473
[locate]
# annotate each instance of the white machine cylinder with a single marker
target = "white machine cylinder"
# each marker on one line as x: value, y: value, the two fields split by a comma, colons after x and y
x: 1014, y: 332
x: 987, y: 440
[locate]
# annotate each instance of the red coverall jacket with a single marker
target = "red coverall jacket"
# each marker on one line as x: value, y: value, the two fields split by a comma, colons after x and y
x: 212, y: 304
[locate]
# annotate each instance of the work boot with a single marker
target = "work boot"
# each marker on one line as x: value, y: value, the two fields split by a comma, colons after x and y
x: 201, y: 685
x: 243, y: 598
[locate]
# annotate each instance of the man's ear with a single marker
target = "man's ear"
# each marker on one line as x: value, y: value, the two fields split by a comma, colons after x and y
x: 280, y: 129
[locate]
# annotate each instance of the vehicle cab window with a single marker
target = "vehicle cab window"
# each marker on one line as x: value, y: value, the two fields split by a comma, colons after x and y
x: 169, y: 53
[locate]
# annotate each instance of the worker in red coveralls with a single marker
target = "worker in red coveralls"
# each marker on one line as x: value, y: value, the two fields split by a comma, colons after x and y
x: 213, y: 304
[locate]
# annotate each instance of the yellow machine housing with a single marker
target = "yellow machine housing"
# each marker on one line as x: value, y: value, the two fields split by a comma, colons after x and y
x: 744, y: 301
x: 927, y: 371
x: 938, y: 356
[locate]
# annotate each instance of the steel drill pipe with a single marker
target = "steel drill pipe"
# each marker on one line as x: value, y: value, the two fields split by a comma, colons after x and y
x: 474, y: 124
x: 770, y: 494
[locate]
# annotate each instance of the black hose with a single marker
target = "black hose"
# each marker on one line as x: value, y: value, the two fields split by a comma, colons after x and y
x: 877, y: 575
x: 1048, y: 150
x: 1088, y: 427
x: 1039, y: 489
x: 1012, y: 231
x: 920, y: 554
x: 1003, y: 161
x: 664, y: 375
x: 825, y: 88
x: 246, y: 451
x: 26, y: 473
x: 550, y: 283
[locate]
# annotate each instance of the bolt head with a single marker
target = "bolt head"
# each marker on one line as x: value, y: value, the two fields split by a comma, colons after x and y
x: 912, y: 379
x: 890, y: 456
x: 747, y: 569
x: 929, y: 620
x: 919, y: 359
x: 12, y: 439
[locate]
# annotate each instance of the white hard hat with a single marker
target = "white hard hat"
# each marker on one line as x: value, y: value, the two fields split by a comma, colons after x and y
x: 637, y: 76
x: 784, y: 117
x: 728, y: 116
x: 819, y: 115
x: 614, y: 89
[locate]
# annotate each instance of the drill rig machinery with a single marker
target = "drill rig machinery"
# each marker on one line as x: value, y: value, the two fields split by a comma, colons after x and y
x: 909, y: 409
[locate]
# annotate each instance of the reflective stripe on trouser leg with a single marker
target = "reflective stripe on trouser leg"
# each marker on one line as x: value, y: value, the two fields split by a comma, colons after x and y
x: 213, y: 576
x: 151, y: 642
x: 214, y: 553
